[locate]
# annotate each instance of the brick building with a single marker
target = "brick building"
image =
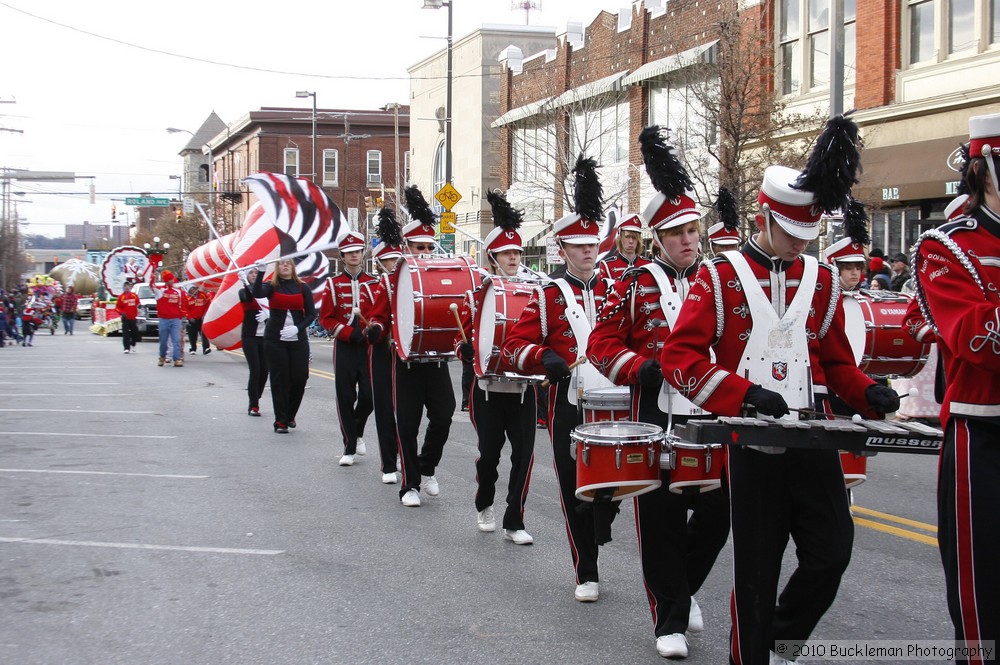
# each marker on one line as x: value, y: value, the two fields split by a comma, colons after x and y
x: 927, y: 65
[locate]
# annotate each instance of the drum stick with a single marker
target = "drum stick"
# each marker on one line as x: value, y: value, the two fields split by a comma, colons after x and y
x: 364, y: 321
x: 461, y: 329
x: 573, y: 365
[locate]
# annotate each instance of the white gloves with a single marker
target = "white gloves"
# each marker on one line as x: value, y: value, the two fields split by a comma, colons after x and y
x: 289, y: 333
x: 243, y: 275
x: 262, y: 316
x: 260, y: 267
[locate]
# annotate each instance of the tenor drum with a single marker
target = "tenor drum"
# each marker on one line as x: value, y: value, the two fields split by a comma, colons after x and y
x: 693, y: 467
x: 606, y: 404
x: 622, y: 457
x: 881, y: 343
x: 423, y: 324
x: 855, y: 468
x: 498, y: 307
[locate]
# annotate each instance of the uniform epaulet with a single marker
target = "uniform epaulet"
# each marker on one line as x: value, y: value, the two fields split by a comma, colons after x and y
x: 963, y: 223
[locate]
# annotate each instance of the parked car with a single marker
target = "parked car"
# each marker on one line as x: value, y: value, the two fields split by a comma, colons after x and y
x: 84, y: 307
x: 147, y: 322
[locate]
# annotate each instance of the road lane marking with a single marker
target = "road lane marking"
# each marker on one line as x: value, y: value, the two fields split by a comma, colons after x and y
x: 105, y: 436
x: 73, y: 411
x: 321, y: 373
x: 58, y: 383
x: 105, y: 473
x: 896, y: 531
x: 64, y: 395
x: 893, y: 518
x: 139, y: 546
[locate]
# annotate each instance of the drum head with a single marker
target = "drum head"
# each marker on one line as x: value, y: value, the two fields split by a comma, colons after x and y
x: 403, y: 314
x: 486, y: 328
x: 614, y: 397
x: 854, y: 326
x: 613, y: 433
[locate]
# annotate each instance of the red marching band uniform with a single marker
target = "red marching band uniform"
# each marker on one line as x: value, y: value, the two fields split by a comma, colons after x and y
x: 615, y: 264
x: 956, y: 269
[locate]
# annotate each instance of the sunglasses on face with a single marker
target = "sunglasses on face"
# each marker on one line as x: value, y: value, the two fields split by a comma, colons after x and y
x: 422, y: 248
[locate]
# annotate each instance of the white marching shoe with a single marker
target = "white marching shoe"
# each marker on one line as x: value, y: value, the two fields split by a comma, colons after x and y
x: 361, y: 448
x: 674, y: 645
x: 389, y: 478
x: 518, y: 536
x: 411, y: 499
x: 430, y: 485
x: 695, y: 622
x: 588, y: 592
x: 486, y: 520
x: 347, y: 460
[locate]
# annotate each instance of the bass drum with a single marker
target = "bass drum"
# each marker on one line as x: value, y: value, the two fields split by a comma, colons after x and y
x: 498, y: 307
x: 425, y: 288
x: 881, y: 342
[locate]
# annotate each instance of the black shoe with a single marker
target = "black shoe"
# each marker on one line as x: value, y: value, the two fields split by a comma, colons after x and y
x: 206, y: 351
x: 280, y: 428
x: 253, y: 411
x: 192, y: 350
x: 291, y: 423
x: 465, y: 407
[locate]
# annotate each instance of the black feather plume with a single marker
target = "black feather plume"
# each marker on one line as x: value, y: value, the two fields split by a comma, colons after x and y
x: 588, y: 195
x: 963, y: 186
x: 667, y: 174
x: 856, y: 222
x: 833, y: 165
x: 725, y: 205
x: 504, y: 215
x: 389, y: 231
x: 417, y: 206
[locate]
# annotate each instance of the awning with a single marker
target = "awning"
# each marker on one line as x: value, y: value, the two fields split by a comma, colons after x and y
x: 522, y: 112
x: 910, y: 171
x: 698, y: 54
x: 588, y: 90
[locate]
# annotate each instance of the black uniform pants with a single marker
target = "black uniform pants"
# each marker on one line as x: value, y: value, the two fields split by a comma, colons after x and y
x: 799, y: 493
x: 253, y: 351
x: 288, y: 363
x: 676, y: 552
x: 130, y: 333
x: 418, y: 385
x: 969, y: 527
x: 354, y: 391
x: 193, y: 331
x: 496, y: 416
x: 380, y: 364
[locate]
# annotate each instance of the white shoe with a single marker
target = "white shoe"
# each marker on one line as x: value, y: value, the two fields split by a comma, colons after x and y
x: 430, y: 485
x: 411, y: 499
x: 389, y: 478
x: 361, y: 448
x: 674, y: 645
x: 695, y: 623
x: 126, y: 350
x: 487, y: 521
x: 587, y: 592
x: 347, y: 460
x: 518, y: 536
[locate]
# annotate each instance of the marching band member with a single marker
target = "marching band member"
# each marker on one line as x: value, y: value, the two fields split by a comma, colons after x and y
x: 286, y: 346
x: 552, y: 333
x: 676, y: 553
x: 197, y: 306
x: 381, y: 353
x: 774, y: 319
x: 350, y: 350
x: 628, y: 243
x: 252, y: 341
x: 128, y: 307
x: 171, y: 308
x: 500, y: 408
x: 721, y: 237
x: 956, y: 268
x: 417, y: 384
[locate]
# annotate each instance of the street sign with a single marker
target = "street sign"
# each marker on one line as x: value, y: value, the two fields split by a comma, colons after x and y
x: 448, y: 222
x: 188, y: 205
x: 447, y: 242
x: 448, y: 196
x: 147, y: 202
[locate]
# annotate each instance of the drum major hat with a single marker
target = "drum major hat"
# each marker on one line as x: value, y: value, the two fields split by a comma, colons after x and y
x: 582, y: 227
x: 577, y: 230
x: 390, y: 236
x: 795, y: 210
x: 352, y: 242
x: 984, y: 141
x: 845, y: 250
x: 673, y: 205
x: 507, y: 220
x: 630, y: 222
x: 421, y: 229
x: 718, y: 234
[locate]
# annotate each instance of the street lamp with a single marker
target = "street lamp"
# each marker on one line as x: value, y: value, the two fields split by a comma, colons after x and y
x: 302, y: 94
x: 394, y: 107
x: 437, y: 4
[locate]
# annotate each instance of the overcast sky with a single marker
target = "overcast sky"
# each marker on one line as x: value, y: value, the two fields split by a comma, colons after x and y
x: 95, y: 84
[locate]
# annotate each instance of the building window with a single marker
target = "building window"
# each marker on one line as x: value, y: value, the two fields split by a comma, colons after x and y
x: 994, y: 32
x: 291, y: 168
x: 375, y: 167
x: 939, y: 29
x: 439, y: 170
x: 807, y: 68
x: 331, y: 160
x: 961, y: 26
x: 406, y: 164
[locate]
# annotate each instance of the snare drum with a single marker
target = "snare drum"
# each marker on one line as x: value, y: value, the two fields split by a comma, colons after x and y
x: 621, y: 456
x: 882, y: 344
x: 693, y: 467
x: 855, y: 468
x: 499, y: 305
x: 423, y: 324
x: 606, y: 404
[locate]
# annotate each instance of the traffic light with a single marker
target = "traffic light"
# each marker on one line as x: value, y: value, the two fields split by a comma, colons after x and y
x: 178, y: 212
x: 378, y: 202
x: 368, y: 203
x: 114, y: 212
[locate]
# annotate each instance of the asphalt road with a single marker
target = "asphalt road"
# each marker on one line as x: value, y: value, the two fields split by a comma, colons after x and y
x: 144, y: 518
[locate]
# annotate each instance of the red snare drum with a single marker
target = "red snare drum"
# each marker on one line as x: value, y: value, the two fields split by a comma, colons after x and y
x: 498, y: 306
x: 606, y: 404
x: 622, y: 456
x: 882, y: 345
x: 425, y: 288
x: 855, y: 468
x: 693, y: 467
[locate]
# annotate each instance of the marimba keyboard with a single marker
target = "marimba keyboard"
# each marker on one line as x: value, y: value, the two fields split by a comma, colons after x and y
x: 839, y: 434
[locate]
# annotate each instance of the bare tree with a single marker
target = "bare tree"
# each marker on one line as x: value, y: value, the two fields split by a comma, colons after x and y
x: 184, y: 235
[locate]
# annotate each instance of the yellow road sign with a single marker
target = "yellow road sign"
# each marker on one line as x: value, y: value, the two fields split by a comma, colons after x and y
x: 447, y: 222
x: 448, y: 196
